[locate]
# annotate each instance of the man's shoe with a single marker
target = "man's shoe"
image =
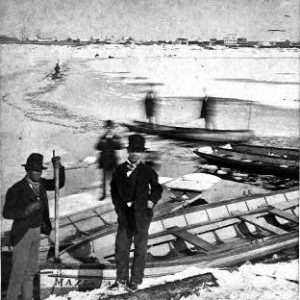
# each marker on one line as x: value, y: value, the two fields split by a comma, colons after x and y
x: 118, y: 285
x: 102, y: 198
x: 132, y: 287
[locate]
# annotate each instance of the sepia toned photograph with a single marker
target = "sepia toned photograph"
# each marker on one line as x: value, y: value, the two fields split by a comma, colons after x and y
x: 149, y: 149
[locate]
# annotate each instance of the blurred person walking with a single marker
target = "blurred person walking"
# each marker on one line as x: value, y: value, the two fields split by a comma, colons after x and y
x: 27, y: 205
x: 107, y: 160
x: 208, y: 112
x: 56, y: 69
x: 150, y: 103
x: 135, y: 191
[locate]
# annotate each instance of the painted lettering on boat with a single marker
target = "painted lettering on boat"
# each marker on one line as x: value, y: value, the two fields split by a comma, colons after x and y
x: 63, y: 282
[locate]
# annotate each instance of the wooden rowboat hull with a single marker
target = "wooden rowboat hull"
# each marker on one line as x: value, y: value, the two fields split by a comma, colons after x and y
x: 215, y: 236
x: 191, y: 133
x: 61, y: 281
x: 290, y: 153
x: 259, y: 164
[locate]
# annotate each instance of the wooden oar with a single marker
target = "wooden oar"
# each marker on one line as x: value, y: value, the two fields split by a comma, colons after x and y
x: 56, y: 205
x: 186, y: 203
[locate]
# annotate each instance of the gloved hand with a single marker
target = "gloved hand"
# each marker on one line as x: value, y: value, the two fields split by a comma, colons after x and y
x: 56, y: 161
x: 150, y: 204
x: 33, y: 207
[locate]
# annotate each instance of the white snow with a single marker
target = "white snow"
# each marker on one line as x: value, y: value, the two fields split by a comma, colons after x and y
x: 243, y: 283
x: 269, y: 76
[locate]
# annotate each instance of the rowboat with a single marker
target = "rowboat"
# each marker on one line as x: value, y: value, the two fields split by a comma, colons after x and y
x: 213, y: 235
x: 191, y: 133
x: 254, y: 163
x: 78, y: 225
x: 279, y: 152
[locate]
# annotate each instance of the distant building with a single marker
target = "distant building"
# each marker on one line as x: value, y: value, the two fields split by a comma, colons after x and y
x: 194, y: 42
x: 283, y: 44
x: 204, y: 43
x: 130, y: 41
x: 230, y: 40
x: 242, y: 41
x: 213, y: 42
x: 181, y: 41
x: 108, y: 41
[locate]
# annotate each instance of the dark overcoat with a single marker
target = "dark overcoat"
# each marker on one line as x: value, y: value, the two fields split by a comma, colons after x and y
x: 19, y: 196
x: 107, y: 159
x: 147, y: 188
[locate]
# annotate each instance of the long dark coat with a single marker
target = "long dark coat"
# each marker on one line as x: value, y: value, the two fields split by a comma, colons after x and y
x: 147, y: 188
x: 18, y: 197
x: 107, y: 159
x: 150, y: 105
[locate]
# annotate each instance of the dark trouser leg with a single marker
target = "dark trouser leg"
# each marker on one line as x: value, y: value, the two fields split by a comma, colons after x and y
x: 123, y: 243
x: 104, y: 183
x: 21, y: 257
x: 32, y: 265
x: 140, y: 253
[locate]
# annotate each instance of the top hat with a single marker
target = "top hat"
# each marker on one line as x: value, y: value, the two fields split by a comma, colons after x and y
x: 109, y: 124
x: 34, y: 163
x: 136, y: 143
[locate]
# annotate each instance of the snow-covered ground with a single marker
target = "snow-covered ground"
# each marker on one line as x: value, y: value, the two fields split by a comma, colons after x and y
x: 38, y: 114
x: 278, y: 281
x: 266, y: 75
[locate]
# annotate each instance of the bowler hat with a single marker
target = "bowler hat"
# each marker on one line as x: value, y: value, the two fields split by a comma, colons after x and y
x: 34, y: 163
x: 136, y: 143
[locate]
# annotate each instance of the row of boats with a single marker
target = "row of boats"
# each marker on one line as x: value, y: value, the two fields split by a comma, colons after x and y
x: 250, y: 158
x: 221, y: 234
x: 182, y: 233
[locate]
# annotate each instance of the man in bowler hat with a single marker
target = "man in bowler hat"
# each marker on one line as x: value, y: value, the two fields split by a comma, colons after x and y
x: 27, y: 205
x: 135, y: 191
x: 107, y: 161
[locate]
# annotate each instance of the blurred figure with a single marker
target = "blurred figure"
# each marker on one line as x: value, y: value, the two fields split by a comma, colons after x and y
x: 27, y: 205
x: 208, y: 113
x: 150, y: 106
x: 96, y: 55
x: 152, y: 160
x: 107, y: 160
x: 56, y: 70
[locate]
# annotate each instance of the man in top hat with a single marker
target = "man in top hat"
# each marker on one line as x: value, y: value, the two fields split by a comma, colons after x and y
x: 107, y: 161
x: 135, y: 191
x: 27, y: 205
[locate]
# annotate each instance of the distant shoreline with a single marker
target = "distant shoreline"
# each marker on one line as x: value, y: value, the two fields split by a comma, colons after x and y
x: 86, y: 43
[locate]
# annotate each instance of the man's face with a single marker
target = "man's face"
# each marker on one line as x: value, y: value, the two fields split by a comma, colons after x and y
x: 134, y: 156
x: 34, y: 175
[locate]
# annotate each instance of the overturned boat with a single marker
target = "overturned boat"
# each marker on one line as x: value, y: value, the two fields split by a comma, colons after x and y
x: 213, y: 235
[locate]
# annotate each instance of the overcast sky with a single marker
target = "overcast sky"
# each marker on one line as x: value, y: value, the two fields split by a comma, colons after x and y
x: 151, y: 19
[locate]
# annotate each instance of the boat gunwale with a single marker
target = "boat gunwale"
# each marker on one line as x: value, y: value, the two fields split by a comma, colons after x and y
x: 291, y: 170
x: 266, y: 147
x: 288, y: 159
x: 178, y: 129
x: 112, y: 228
x: 274, y: 240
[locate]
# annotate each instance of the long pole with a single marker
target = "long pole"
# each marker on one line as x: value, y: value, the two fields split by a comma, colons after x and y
x: 56, y: 206
x: 249, y: 117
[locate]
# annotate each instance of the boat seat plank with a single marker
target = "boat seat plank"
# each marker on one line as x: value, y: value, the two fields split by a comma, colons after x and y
x: 192, y: 239
x: 262, y: 225
x: 284, y: 215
